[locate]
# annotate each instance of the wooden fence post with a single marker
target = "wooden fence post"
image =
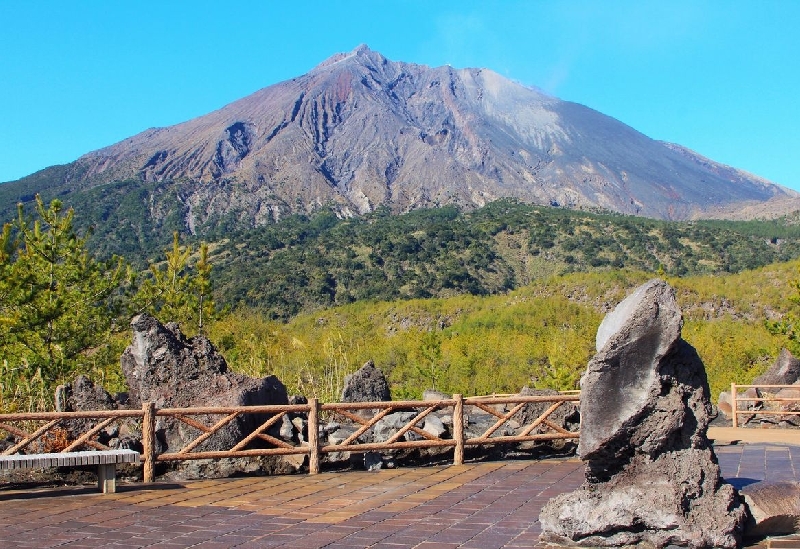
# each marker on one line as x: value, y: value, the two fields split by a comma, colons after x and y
x: 734, y: 405
x: 458, y: 430
x: 149, y: 441
x: 313, y: 436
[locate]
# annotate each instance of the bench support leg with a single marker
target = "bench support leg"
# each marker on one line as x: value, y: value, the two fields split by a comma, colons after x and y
x: 107, y: 478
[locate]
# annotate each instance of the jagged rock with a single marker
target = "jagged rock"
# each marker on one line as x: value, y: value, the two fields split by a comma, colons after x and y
x: 651, y: 474
x: 390, y: 424
x: 750, y: 392
x: 789, y: 405
x: 565, y: 416
x: 373, y: 461
x: 476, y: 424
x: 228, y: 467
x: 287, y: 429
x: 301, y: 426
x: 164, y: 367
x: 785, y: 371
x: 295, y: 461
x: 83, y: 394
x: 367, y: 384
x: 340, y: 434
x: 774, y: 508
x: 126, y: 443
x: 725, y: 404
x: 434, y: 426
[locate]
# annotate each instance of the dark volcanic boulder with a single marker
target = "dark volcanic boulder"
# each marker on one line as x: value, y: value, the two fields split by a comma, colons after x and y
x: 774, y: 508
x: 565, y: 416
x: 165, y: 367
x: 367, y: 384
x: 651, y: 474
x: 83, y: 394
x: 785, y: 371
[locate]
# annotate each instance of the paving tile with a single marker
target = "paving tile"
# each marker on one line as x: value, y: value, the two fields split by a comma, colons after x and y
x: 479, y: 505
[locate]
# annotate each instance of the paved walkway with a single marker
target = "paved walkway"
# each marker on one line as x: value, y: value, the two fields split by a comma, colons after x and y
x: 726, y: 435
x: 480, y: 506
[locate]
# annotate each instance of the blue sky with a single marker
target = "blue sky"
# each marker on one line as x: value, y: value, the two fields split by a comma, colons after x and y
x: 720, y: 77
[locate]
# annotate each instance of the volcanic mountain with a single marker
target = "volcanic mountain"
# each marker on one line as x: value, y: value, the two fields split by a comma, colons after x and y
x: 360, y: 131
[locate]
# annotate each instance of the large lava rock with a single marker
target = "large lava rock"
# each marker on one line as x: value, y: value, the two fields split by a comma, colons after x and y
x: 367, y: 384
x: 565, y: 416
x: 165, y: 367
x: 651, y: 474
x: 83, y: 394
x: 785, y: 371
x: 774, y: 508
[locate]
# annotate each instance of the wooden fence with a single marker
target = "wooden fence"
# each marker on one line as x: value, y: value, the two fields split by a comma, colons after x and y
x: 772, y: 402
x: 47, y: 427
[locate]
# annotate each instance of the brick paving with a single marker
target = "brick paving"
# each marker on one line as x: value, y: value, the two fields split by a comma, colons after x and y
x: 473, y: 506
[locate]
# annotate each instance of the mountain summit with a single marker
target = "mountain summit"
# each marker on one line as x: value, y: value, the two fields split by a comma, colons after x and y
x: 360, y: 131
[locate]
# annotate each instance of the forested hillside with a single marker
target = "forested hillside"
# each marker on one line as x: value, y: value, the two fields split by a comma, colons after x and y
x: 478, y: 302
x: 303, y: 264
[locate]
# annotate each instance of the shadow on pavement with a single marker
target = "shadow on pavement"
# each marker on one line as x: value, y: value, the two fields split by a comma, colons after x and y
x: 23, y: 491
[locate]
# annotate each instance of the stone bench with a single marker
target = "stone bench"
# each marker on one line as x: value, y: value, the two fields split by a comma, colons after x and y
x: 106, y: 461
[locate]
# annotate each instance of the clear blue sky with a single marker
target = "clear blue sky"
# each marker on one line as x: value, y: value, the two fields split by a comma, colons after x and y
x: 720, y: 77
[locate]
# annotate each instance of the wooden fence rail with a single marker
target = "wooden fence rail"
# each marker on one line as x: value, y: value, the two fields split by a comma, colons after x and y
x: 736, y: 398
x: 50, y: 428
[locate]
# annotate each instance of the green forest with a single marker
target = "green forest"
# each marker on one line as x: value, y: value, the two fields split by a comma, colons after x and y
x: 303, y: 264
x: 479, y: 302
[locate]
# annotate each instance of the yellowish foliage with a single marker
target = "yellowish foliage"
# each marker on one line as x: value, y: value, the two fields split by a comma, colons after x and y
x: 541, y: 335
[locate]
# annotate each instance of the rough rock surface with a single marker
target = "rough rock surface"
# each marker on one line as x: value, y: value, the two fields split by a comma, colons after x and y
x: 651, y: 474
x: 743, y: 404
x: 774, y: 508
x: 83, y: 394
x: 785, y: 371
x: 565, y: 416
x: 367, y: 384
x: 165, y: 367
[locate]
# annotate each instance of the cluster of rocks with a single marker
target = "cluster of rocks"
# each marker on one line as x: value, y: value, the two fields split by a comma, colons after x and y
x: 166, y: 368
x: 784, y: 371
x: 368, y: 384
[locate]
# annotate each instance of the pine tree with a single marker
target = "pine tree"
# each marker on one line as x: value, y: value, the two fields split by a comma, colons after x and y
x: 176, y: 291
x: 56, y: 300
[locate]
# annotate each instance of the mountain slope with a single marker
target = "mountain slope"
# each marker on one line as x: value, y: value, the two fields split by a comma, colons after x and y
x: 360, y: 131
